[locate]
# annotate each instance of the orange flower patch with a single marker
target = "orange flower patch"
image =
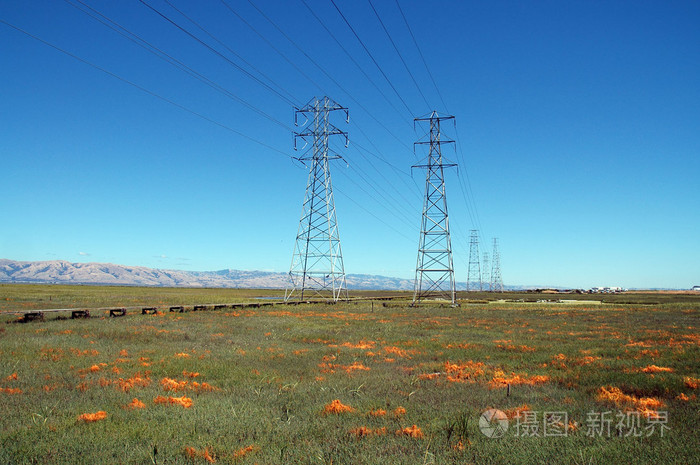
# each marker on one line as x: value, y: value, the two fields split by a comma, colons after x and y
x: 189, y: 374
x: 645, y: 405
x: 135, y: 381
x: 410, y: 431
x: 91, y: 417
x: 429, y: 376
x: 243, y: 452
x: 363, y: 432
x: 464, y: 372
x: 332, y: 367
x: 684, y: 397
x: 461, y: 346
x: 12, y: 377
x: 182, y: 355
x: 193, y: 453
x: 692, y: 383
x: 11, y: 390
x: 655, y: 369
x: 500, y: 380
x: 399, y: 411
x: 183, y: 401
x: 337, y: 407
x: 135, y: 404
x: 514, y: 348
x: 170, y: 384
x: 378, y: 412
x: 95, y: 368
x: 123, y: 353
x: 516, y: 411
x: 67, y: 331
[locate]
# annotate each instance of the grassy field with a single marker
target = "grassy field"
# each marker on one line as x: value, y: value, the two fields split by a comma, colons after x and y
x: 352, y: 383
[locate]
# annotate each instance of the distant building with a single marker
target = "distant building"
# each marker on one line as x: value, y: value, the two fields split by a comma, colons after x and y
x: 696, y: 288
x: 606, y: 290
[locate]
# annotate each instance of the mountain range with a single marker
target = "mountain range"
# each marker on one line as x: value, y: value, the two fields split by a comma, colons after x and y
x: 64, y: 272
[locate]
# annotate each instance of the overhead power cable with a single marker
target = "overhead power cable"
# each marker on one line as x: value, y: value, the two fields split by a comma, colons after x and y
x: 372, y: 57
x: 135, y: 38
x: 415, y: 42
x: 237, y: 55
x: 386, y: 31
x: 352, y: 59
x: 141, y: 88
x: 321, y: 68
x: 224, y: 57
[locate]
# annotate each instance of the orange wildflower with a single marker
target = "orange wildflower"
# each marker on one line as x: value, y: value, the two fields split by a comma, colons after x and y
x: 170, y: 384
x: 189, y: 374
x: 363, y: 431
x: 500, y: 380
x: 464, y: 372
x: 516, y: 411
x: 123, y: 353
x: 377, y: 412
x: 182, y: 355
x: 337, y: 407
x: 692, y: 383
x: 135, y: 403
x: 412, y: 431
x: 136, y: 380
x: 12, y: 377
x: 90, y: 417
x: 183, y: 401
x: 645, y: 405
x: 244, y: 451
x: 193, y: 453
x: 11, y: 390
x: 399, y: 411
x: 95, y: 368
x: 655, y: 369
x: 685, y: 397
x: 428, y: 376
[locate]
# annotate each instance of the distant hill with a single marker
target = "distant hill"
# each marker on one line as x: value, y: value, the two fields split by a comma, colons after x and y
x: 63, y: 272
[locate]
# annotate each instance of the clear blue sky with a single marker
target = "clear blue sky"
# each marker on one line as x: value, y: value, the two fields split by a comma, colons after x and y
x: 578, y: 122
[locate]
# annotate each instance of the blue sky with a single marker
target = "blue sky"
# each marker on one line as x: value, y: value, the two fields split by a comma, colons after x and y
x: 578, y: 127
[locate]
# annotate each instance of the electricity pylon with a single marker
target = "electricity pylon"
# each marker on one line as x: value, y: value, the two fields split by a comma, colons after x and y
x: 496, y: 279
x: 434, y: 269
x: 317, y: 263
x: 474, y: 270
x: 485, y: 273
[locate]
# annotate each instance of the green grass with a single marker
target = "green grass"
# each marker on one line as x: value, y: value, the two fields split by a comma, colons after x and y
x: 272, y: 386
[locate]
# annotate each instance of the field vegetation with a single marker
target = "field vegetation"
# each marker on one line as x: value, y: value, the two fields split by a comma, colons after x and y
x: 351, y: 383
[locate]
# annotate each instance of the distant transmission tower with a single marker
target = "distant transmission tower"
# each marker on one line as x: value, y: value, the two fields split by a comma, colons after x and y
x: 434, y: 268
x: 317, y: 264
x: 474, y: 270
x: 485, y: 273
x: 496, y: 279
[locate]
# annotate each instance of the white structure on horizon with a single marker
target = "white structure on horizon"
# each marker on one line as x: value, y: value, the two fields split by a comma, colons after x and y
x: 606, y: 290
x: 696, y: 288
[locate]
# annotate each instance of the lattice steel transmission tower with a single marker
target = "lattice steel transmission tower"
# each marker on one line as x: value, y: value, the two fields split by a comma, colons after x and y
x: 474, y: 270
x: 496, y: 279
x: 434, y: 269
x: 485, y: 273
x: 317, y: 263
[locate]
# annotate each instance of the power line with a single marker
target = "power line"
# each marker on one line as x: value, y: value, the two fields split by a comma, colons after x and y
x: 135, y: 38
x: 279, y: 52
x: 224, y: 57
x: 372, y: 57
x: 399, y: 53
x: 349, y: 55
x: 229, y: 49
x: 141, y: 88
x: 415, y: 42
x: 321, y: 68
